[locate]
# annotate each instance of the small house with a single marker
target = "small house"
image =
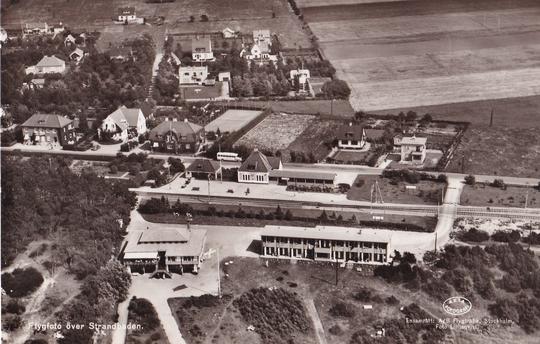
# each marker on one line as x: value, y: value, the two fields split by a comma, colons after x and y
x: 48, y: 130
x: 124, y: 123
x: 177, y: 136
x: 412, y: 149
x: 257, y: 167
x: 204, y: 169
x: 351, y: 137
x: 48, y: 64
x: 76, y: 55
x: 192, y: 75
x: 201, y: 49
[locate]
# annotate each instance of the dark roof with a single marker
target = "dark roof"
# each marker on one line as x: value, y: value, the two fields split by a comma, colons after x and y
x: 179, y: 128
x: 47, y: 121
x: 147, y: 108
x: 204, y: 165
x: 351, y: 132
x: 201, y: 45
x: 126, y: 11
x: 258, y: 162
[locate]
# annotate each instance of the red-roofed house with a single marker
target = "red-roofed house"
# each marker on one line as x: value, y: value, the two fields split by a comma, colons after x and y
x: 48, y: 130
x: 177, y: 136
x: 256, y: 168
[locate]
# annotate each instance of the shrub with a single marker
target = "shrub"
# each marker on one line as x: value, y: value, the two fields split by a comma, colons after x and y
x: 505, y: 236
x: 391, y: 300
x: 342, y: 309
x: 335, y: 330
x: 498, y: 183
x: 155, y: 206
x: 142, y: 312
x: 365, y: 294
x: 15, y: 307
x: 470, y: 180
x: 474, y: 235
x: 21, y: 282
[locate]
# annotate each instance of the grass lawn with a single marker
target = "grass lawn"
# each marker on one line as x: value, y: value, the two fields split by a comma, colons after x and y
x: 315, y: 139
x: 499, y: 151
x: 519, y: 112
x: 309, y: 217
x: 514, y: 196
x: 426, y: 192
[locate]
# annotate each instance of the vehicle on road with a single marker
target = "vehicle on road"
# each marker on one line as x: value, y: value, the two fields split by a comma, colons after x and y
x: 228, y: 156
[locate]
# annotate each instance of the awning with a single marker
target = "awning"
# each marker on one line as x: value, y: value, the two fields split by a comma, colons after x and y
x: 140, y: 255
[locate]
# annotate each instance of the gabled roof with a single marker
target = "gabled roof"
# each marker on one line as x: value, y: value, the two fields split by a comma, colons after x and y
x: 261, y: 34
x: 179, y: 128
x: 410, y: 140
x: 47, y: 121
x: 147, y: 108
x: 166, y: 235
x: 203, y: 44
x: 69, y: 38
x: 77, y: 51
x: 124, y: 11
x: 124, y: 117
x: 204, y: 166
x: 50, y: 61
x: 258, y: 162
x: 351, y: 132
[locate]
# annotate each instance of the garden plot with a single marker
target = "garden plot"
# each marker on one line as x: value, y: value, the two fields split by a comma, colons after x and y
x: 276, y: 131
x: 493, y: 225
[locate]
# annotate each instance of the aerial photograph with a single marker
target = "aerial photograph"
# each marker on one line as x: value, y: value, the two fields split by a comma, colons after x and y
x: 270, y: 171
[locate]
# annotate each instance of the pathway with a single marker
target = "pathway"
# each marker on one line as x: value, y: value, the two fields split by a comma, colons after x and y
x: 319, y: 329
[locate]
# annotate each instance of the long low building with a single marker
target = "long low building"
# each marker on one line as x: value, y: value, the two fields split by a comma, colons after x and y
x: 165, y: 248
x: 293, y: 177
x: 326, y: 243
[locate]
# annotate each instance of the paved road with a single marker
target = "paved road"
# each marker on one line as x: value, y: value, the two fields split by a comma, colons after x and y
x: 319, y: 329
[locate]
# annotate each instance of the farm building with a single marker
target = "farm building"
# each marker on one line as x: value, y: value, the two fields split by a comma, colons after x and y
x: 203, y: 169
x: 167, y: 250
x: 192, y: 75
x: 36, y: 28
x: 128, y: 15
x: 201, y: 49
x: 351, y: 137
x: 48, y: 130
x: 177, y: 136
x: 257, y: 167
x: 412, y: 149
x: 326, y: 243
x: 124, y: 123
x: 48, y: 64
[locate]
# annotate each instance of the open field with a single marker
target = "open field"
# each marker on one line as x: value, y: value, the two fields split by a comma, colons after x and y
x: 316, y: 139
x: 520, y: 112
x: 232, y: 120
x: 426, y: 192
x: 499, y: 151
x: 405, y: 54
x: 484, y: 195
x: 316, y: 3
x: 276, y: 131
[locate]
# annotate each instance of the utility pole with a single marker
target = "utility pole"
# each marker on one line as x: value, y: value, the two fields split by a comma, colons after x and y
x: 491, y: 118
x: 209, y: 188
x: 435, y: 241
x: 337, y: 271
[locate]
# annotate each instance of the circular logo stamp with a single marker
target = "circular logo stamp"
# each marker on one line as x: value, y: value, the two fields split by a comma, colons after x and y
x: 457, y: 305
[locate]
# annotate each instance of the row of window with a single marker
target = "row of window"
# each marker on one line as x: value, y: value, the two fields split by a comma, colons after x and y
x: 323, y: 243
x: 349, y: 256
x: 256, y: 177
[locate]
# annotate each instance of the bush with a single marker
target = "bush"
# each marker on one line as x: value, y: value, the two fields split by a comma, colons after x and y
x: 473, y: 235
x: 155, y: 206
x: 498, y: 183
x: 470, y: 180
x: 14, y: 307
x: 392, y: 300
x: 505, y: 236
x: 335, y: 330
x: 141, y: 311
x: 21, y: 282
x: 365, y: 295
x: 342, y: 309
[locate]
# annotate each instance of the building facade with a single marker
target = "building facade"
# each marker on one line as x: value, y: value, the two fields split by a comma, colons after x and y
x: 351, y: 137
x: 201, y: 49
x: 48, y: 64
x: 167, y: 249
x: 124, y: 123
x: 48, y: 130
x: 331, y: 244
x: 412, y: 149
x: 177, y: 137
x: 256, y: 168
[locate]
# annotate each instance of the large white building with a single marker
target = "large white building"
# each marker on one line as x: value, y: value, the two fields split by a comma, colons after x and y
x: 165, y: 248
x: 326, y: 243
x: 257, y: 167
x: 192, y: 75
x: 201, y: 49
x: 412, y: 149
